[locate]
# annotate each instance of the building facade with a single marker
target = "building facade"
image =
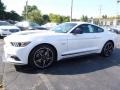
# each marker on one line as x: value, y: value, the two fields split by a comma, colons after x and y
x: 105, y: 22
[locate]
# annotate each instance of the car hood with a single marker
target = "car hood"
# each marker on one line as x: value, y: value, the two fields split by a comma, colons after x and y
x: 33, y: 35
x: 8, y: 27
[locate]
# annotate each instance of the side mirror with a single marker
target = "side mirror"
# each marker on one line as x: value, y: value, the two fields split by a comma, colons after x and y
x: 77, y: 31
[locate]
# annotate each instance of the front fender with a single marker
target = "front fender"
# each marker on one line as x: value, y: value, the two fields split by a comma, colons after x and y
x: 60, y: 45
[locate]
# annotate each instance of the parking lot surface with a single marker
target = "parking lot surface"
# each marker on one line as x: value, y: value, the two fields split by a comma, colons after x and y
x: 90, y: 72
x: 1, y: 65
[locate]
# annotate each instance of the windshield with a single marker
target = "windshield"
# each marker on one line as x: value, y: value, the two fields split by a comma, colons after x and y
x: 34, y: 24
x: 3, y: 23
x: 64, y: 27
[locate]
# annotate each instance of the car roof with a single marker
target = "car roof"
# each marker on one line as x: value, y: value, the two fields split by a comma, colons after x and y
x: 79, y: 22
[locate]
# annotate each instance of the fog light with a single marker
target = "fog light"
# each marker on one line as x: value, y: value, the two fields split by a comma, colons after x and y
x: 16, y: 58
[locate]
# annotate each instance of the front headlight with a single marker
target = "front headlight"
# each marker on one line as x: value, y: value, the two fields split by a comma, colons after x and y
x: 19, y: 44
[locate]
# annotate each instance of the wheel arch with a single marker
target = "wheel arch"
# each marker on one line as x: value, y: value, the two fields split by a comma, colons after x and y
x: 111, y: 41
x: 102, y: 50
x: 105, y: 43
x: 43, y: 44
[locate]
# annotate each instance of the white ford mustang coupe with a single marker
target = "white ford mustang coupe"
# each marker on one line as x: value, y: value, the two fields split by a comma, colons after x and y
x: 42, y: 48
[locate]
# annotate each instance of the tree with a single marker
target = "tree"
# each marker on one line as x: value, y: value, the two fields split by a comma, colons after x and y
x: 33, y: 14
x: 8, y: 15
x: 104, y: 16
x: 66, y: 18
x: 2, y: 7
x: 45, y: 19
x: 84, y: 18
x: 58, y: 18
x: 55, y: 18
x: 2, y: 12
x: 12, y: 15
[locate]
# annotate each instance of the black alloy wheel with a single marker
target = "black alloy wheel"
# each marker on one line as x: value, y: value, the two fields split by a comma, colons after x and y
x: 107, y: 49
x: 42, y: 56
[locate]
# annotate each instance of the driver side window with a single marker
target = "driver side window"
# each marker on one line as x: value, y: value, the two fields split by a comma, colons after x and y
x: 84, y: 28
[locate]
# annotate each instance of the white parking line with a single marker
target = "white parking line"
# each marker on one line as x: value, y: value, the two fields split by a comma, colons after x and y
x: 46, y: 82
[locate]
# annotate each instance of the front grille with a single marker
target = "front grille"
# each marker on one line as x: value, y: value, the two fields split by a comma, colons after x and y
x: 14, y: 30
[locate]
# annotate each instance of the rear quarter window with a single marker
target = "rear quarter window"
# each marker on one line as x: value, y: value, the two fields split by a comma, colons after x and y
x: 98, y: 29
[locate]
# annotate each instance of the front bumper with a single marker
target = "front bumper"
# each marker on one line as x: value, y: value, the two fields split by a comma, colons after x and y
x: 5, y: 34
x: 16, y: 55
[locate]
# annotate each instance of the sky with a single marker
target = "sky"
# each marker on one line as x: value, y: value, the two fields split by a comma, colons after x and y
x: 91, y: 8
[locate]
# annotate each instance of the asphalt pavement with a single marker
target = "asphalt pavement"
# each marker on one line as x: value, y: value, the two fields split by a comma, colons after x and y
x: 1, y: 64
x: 90, y: 72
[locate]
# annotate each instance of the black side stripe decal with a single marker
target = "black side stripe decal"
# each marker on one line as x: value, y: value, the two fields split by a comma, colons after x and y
x: 78, y: 52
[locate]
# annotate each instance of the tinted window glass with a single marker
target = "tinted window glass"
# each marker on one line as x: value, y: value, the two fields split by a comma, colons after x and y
x: 34, y: 24
x: 100, y: 30
x: 88, y: 28
x: 84, y: 28
x: 97, y: 29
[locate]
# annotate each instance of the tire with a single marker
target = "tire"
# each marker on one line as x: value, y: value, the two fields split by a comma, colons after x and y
x: 42, y: 56
x: 1, y: 37
x: 107, y: 49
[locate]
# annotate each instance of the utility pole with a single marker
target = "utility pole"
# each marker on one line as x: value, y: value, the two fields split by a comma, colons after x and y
x: 100, y: 11
x: 26, y: 10
x: 117, y: 13
x: 118, y: 1
x: 71, y: 10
